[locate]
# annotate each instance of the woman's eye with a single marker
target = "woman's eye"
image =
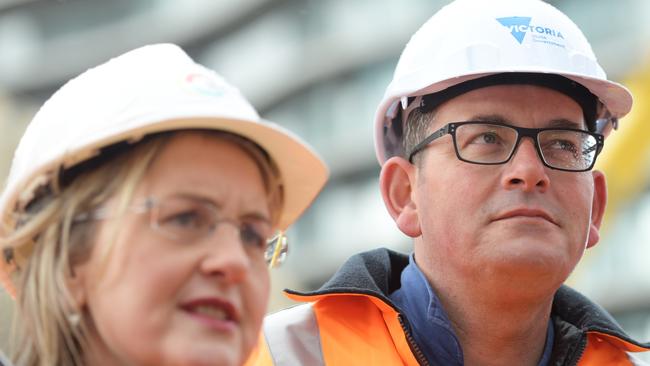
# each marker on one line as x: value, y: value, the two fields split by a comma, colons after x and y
x: 183, y: 219
x: 250, y: 236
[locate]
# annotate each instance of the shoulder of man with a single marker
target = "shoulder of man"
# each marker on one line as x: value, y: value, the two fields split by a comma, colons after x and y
x: 579, y: 321
x: 376, y: 271
x: 293, y: 336
x: 289, y: 337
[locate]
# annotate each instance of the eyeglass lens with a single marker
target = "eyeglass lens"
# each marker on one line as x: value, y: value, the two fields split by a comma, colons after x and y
x: 190, y: 219
x: 485, y: 143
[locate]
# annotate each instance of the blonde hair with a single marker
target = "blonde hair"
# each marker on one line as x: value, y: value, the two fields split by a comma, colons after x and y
x: 48, y: 242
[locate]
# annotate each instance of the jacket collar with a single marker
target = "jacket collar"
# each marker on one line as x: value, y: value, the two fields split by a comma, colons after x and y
x: 377, y: 272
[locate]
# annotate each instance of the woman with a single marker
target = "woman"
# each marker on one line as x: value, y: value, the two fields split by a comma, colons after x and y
x: 137, y: 213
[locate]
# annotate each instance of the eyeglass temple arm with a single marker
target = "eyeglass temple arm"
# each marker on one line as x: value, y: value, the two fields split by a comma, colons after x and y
x: 441, y: 132
x: 590, y: 149
x: 596, y: 147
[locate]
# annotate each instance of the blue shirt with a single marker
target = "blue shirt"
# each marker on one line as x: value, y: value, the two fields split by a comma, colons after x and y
x: 430, y: 326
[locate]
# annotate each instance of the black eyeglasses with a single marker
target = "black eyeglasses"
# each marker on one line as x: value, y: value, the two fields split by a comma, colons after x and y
x: 491, y: 143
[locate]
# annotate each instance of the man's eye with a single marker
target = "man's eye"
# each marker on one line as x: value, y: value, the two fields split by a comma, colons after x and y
x: 486, y: 138
x: 564, y: 145
x: 489, y: 138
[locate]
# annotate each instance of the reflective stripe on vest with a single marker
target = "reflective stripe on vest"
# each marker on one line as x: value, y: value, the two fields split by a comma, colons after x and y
x: 635, y: 361
x: 293, y: 338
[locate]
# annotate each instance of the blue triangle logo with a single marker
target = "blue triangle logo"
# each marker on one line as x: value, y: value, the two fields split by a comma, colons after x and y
x: 518, y: 26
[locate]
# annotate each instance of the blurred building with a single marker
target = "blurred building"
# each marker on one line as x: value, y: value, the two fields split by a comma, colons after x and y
x: 319, y: 67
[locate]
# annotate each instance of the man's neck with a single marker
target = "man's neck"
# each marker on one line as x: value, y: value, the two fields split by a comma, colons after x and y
x: 496, y: 329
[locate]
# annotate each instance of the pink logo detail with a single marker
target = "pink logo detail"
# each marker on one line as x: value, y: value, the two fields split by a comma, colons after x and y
x: 204, y: 84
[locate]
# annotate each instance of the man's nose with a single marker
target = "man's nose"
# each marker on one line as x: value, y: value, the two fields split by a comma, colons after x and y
x: 525, y: 170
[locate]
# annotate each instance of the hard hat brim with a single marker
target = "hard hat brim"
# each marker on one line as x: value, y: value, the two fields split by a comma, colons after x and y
x: 614, y: 96
x: 302, y: 171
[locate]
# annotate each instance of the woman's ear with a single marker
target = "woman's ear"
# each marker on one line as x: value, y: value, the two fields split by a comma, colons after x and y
x: 395, y: 182
x: 77, y: 285
x: 597, y: 208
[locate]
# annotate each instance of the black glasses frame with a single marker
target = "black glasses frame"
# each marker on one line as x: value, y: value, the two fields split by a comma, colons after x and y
x: 533, y: 133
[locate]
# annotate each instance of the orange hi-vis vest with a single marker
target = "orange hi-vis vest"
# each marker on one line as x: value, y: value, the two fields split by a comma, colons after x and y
x: 351, y: 321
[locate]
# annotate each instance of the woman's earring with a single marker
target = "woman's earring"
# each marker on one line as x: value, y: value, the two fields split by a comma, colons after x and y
x: 276, y: 250
x: 74, y: 319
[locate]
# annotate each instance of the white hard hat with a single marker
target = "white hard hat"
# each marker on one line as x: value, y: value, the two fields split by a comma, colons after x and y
x: 470, y: 39
x: 151, y: 89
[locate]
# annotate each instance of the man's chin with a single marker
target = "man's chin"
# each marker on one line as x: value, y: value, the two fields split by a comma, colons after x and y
x: 526, y: 264
x: 531, y: 275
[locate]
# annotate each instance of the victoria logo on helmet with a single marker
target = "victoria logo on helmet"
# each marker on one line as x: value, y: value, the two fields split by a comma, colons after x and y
x: 520, y: 26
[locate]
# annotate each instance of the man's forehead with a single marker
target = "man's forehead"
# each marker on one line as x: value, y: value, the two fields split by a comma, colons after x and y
x: 512, y: 104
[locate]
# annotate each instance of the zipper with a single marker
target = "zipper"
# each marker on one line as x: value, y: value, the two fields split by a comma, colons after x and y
x: 583, y: 345
x: 415, y: 349
x: 578, y: 355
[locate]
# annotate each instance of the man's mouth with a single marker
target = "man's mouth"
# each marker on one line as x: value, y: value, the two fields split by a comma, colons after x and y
x: 525, y: 213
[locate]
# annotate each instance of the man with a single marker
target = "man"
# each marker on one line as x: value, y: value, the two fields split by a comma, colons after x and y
x: 486, y: 136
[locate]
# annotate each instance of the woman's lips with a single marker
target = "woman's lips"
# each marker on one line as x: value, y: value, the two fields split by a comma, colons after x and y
x: 215, y: 313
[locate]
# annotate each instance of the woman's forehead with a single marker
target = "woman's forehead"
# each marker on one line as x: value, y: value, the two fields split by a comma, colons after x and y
x: 205, y: 166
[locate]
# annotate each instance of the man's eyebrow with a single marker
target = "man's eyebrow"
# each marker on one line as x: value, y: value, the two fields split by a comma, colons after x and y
x: 554, y: 123
x: 491, y: 118
x: 565, y: 123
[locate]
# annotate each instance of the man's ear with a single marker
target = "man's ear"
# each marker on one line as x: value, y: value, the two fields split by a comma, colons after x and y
x: 396, y: 183
x: 597, y: 208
